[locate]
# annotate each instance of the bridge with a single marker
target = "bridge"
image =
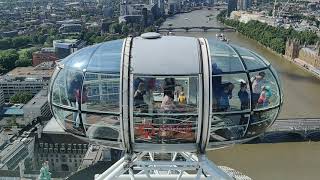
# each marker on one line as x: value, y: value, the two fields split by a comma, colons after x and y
x: 305, y: 127
x: 187, y: 28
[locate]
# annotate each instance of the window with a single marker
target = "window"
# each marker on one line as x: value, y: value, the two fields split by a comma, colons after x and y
x: 102, y: 91
x: 165, y: 109
x: 265, y: 91
x: 230, y: 92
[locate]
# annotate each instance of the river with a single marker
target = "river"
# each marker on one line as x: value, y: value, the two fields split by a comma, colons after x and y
x: 279, y: 161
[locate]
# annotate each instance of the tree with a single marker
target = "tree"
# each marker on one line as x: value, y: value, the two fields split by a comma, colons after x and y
x: 125, y: 29
x: 23, y: 63
x: 115, y: 28
x: 21, y: 97
x: 8, y: 59
x: 5, y: 43
x: 20, y: 41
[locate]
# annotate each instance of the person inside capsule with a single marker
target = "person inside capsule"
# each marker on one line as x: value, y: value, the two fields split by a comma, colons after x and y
x: 164, y: 98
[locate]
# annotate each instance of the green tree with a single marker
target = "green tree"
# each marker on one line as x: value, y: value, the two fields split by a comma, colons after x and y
x: 125, y: 29
x: 5, y: 43
x: 21, y: 97
x: 20, y: 41
x: 23, y: 63
x: 8, y: 59
x: 115, y: 28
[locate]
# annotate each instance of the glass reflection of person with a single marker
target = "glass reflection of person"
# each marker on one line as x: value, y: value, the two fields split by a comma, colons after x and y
x: 225, y: 93
x: 150, y: 87
x: 265, y: 95
x: 243, y: 96
x: 73, y: 90
x: 138, y: 96
x: 216, y: 85
x: 257, y: 82
x: 169, y: 87
x: 167, y: 102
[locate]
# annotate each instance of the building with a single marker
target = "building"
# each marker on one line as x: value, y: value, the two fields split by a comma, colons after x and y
x: 37, y: 107
x: 15, y: 152
x: 244, y: 4
x: 1, y: 99
x: 45, y: 55
x: 62, y: 151
x: 232, y: 6
x: 70, y: 28
x: 65, y: 47
x: 161, y: 5
x: 310, y: 55
x: 26, y: 79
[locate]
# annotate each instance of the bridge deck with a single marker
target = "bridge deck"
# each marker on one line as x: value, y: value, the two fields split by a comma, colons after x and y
x: 298, y: 124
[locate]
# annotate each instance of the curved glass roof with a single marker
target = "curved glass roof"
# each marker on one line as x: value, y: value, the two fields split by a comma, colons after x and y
x: 228, y: 58
x: 104, y: 57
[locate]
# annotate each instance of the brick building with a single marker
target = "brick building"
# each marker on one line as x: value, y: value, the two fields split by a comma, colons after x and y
x: 45, y: 55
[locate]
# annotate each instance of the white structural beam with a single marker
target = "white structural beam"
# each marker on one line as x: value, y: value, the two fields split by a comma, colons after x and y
x: 146, y: 166
x: 161, y: 177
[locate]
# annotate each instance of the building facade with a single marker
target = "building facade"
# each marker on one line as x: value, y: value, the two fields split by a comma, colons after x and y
x: 37, y: 107
x: 63, y: 152
x: 310, y: 55
x: 232, y: 6
x: 65, y: 47
x: 25, y: 79
x: 45, y: 55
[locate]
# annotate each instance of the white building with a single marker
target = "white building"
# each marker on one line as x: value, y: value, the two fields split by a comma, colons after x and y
x: 25, y: 79
x: 37, y: 107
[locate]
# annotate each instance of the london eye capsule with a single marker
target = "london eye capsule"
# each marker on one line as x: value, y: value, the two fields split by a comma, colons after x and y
x: 165, y: 93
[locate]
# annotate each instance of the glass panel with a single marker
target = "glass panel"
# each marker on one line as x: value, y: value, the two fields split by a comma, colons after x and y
x: 228, y: 127
x: 165, y: 109
x: 224, y: 59
x: 165, y: 129
x: 251, y: 60
x: 265, y: 91
x: 230, y: 93
x: 107, y: 58
x: 59, y: 92
x: 80, y: 59
x: 71, y: 120
x: 260, y: 121
x: 103, y: 127
x: 101, y: 92
x: 74, y: 81
x: 279, y: 81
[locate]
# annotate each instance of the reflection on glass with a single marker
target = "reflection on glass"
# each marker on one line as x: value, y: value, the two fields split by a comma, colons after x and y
x: 228, y: 127
x: 71, y: 120
x: 106, y: 58
x: 165, y: 109
x: 265, y: 92
x: 165, y: 129
x: 99, y: 126
x: 251, y: 61
x: 165, y: 95
x: 102, y: 92
x: 59, y: 92
x: 74, y: 81
x: 230, y: 92
x: 260, y: 121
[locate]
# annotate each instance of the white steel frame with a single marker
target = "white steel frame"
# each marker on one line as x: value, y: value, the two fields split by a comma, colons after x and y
x: 144, y: 166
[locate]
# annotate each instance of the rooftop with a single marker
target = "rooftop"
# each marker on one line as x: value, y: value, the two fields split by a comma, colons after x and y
x: 13, y: 110
x: 29, y: 72
x: 38, y: 100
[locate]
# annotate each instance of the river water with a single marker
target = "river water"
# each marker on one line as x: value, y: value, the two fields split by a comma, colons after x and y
x: 295, y: 160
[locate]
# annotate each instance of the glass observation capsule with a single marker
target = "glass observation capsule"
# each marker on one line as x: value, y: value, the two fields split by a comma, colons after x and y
x: 165, y: 93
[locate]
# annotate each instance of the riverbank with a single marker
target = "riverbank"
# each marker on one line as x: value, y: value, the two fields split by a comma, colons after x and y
x: 297, y: 62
